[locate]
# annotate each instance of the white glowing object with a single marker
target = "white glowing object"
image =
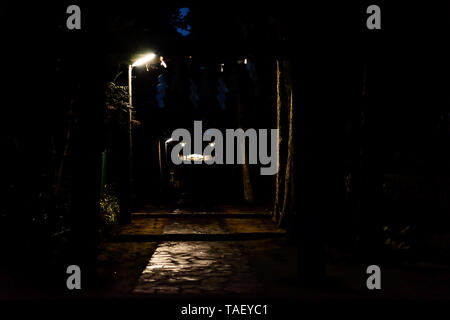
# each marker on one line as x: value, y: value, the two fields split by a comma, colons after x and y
x: 163, y: 63
x: 195, y: 157
x: 144, y: 60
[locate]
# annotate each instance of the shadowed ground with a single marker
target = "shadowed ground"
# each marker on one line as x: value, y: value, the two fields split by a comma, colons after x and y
x: 212, y: 255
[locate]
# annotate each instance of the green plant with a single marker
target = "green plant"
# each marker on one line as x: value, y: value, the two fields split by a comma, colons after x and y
x: 109, y: 206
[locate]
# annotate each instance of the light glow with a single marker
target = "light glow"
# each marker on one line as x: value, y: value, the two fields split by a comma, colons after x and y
x: 195, y: 157
x: 144, y: 60
x: 163, y: 63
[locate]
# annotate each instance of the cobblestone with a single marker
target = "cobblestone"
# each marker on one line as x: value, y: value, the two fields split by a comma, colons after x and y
x: 195, y: 226
x: 144, y: 226
x: 264, y: 267
x: 212, y: 267
x: 197, y: 267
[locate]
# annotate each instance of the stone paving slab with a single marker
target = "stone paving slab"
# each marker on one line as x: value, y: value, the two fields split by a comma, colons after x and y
x: 120, y: 264
x: 234, y: 209
x: 196, y: 226
x: 144, y: 226
x: 262, y: 225
x: 196, y: 237
x: 230, y: 211
x: 191, y: 268
x: 211, y: 225
x: 184, y: 214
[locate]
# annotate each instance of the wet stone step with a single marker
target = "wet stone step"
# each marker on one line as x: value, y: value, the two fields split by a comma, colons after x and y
x: 200, y: 229
x: 199, y: 214
x: 196, y: 237
x: 196, y: 227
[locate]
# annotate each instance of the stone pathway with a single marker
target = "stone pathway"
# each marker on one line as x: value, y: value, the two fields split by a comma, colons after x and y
x: 194, y: 266
x: 198, y: 267
x: 212, y: 225
x: 195, y: 226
